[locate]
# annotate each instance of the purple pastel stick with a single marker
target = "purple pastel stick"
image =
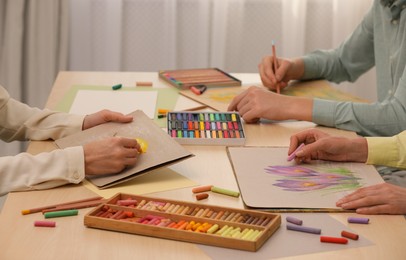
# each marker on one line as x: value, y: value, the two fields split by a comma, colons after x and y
x: 303, y: 229
x: 358, y: 220
x: 293, y: 155
x: 294, y: 220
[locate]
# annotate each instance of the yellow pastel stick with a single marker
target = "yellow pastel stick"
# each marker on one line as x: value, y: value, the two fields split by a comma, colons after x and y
x: 143, y: 144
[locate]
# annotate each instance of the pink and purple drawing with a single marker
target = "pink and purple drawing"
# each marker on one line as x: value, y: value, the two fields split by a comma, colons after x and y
x: 300, y: 178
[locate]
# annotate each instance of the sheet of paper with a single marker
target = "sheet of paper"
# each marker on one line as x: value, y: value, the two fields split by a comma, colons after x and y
x: 161, y: 179
x: 89, y: 101
x: 284, y: 184
x: 285, y: 243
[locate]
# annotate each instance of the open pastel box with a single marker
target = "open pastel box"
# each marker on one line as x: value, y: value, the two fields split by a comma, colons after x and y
x: 185, y: 221
x: 206, y: 128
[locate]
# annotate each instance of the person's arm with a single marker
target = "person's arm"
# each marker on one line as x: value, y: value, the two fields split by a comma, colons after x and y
x: 386, y: 117
x: 46, y: 170
x: 378, y: 119
x: 388, y: 151
x: 43, y: 171
x: 18, y: 121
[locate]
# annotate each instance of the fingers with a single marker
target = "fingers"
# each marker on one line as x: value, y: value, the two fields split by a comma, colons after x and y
x: 105, y: 116
x: 266, y: 72
x: 306, y: 137
x: 233, y: 106
x: 110, y: 155
x: 111, y: 116
x: 369, y: 200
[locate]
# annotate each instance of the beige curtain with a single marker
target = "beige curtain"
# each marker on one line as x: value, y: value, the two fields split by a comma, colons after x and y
x: 33, y: 49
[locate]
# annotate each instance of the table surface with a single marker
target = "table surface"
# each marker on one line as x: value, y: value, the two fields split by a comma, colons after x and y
x: 20, y: 240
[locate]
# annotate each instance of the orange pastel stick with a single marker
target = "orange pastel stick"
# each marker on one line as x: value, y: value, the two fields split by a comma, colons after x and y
x: 202, y: 189
x: 202, y: 196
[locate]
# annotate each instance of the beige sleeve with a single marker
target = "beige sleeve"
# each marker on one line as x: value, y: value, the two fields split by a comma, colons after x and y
x: 43, y: 171
x: 21, y: 122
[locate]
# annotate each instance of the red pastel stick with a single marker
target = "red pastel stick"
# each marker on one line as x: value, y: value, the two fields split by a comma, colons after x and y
x: 336, y: 240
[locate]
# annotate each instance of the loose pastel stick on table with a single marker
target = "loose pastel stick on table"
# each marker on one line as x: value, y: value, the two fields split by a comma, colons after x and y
x: 294, y: 220
x: 358, y: 220
x: 303, y: 229
x: 336, y: 240
x: 293, y: 154
x: 62, y: 213
x: 225, y: 191
x: 349, y: 235
x: 44, y: 223
x: 202, y: 189
x: 202, y: 196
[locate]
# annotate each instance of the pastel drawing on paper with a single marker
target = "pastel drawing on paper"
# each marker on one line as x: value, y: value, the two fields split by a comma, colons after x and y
x: 267, y: 180
x: 308, y: 178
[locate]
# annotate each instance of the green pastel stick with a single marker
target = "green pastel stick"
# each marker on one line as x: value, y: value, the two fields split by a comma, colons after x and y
x: 61, y: 213
x: 225, y: 192
x: 118, y: 86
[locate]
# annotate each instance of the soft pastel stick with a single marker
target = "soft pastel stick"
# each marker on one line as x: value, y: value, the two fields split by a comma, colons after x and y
x: 358, y: 220
x: 44, y: 223
x: 293, y: 154
x: 336, y: 240
x: 349, y: 235
x: 303, y: 229
x: 62, y: 213
x: 127, y: 202
x: 202, y: 189
x: 116, y: 87
x: 294, y: 220
x: 225, y: 191
x: 202, y: 196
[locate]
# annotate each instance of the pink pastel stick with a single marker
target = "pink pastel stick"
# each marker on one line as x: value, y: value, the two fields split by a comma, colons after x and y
x: 43, y: 223
x: 293, y: 155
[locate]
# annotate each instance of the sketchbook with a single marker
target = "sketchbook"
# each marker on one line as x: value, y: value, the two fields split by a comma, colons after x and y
x: 268, y: 181
x: 161, y: 151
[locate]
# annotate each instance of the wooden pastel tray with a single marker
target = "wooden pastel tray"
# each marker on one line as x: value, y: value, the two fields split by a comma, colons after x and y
x: 179, y: 220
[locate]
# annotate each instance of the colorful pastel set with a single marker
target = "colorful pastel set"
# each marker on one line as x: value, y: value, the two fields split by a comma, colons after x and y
x: 209, y: 77
x: 206, y: 128
x: 185, y: 221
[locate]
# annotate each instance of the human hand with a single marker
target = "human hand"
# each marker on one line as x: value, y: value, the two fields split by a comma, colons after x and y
x: 110, y: 155
x: 321, y: 146
x: 256, y: 103
x: 287, y: 70
x: 381, y: 198
x: 105, y: 116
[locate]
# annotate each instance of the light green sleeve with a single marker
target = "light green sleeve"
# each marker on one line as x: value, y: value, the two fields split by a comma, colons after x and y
x: 387, y: 151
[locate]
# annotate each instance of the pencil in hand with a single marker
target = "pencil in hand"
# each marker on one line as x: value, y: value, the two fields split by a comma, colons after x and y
x: 275, y: 65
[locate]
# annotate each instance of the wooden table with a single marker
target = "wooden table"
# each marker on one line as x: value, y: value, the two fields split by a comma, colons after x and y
x: 72, y: 240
